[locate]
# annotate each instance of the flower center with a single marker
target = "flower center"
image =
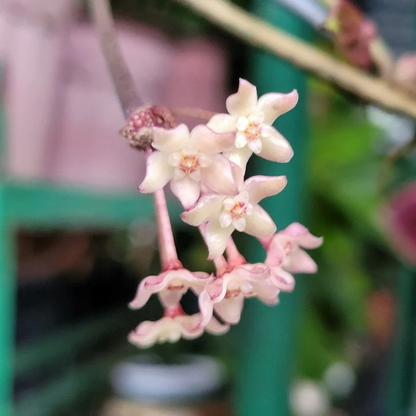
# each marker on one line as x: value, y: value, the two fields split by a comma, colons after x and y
x: 238, y: 210
x: 236, y: 288
x: 233, y: 289
x: 189, y: 163
x: 232, y: 294
x: 250, y: 132
x: 253, y: 131
x: 175, y: 284
x: 287, y: 247
x: 234, y: 211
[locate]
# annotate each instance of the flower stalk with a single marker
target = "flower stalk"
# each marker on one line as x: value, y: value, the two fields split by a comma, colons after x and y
x: 234, y: 257
x: 221, y: 265
x: 167, y: 247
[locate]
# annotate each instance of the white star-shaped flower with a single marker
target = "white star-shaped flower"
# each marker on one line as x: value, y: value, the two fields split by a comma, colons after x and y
x: 187, y: 160
x: 251, y: 119
x: 223, y: 213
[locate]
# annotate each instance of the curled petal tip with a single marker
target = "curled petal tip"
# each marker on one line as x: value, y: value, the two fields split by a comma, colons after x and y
x: 283, y: 181
x: 294, y: 92
x: 133, y: 305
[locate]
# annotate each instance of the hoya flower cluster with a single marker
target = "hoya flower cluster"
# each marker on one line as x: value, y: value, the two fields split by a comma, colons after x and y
x: 205, y: 168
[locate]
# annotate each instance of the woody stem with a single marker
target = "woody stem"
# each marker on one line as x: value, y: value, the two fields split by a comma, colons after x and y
x: 124, y: 84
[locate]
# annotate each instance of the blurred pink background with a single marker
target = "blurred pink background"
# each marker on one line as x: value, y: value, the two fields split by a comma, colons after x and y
x: 63, y: 116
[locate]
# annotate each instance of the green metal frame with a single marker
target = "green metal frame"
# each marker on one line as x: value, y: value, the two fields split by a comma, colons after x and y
x: 40, y: 206
x: 402, y: 378
x: 37, y: 205
x: 270, y: 334
x: 34, y: 205
x: 7, y: 311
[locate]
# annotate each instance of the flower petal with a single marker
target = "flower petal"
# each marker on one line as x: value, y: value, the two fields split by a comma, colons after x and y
x: 266, y: 291
x: 217, y: 289
x: 256, y: 271
x: 222, y: 123
x: 148, y: 333
x: 209, y: 206
x: 216, y: 238
x: 275, y: 252
x: 216, y: 328
x: 177, y: 284
x: 259, y: 223
x: 242, y: 123
x: 298, y: 261
x: 255, y: 146
x: 270, y: 301
x: 301, y: 236
x: 242, y: 103
x: 191, y: 325
x: 239, y: 156
x: 158, y: 172
x: 144, y: 336
x: 218, y: 176
x: 256, y: 118
x: 162, y: 284
x: 239, y: 224
x: 282, y: 279
x: 230, y: 309
x: 243, y: 197
x: 171, y: 140
x: 274, y: 105
x: 207, y: 141
x: 206, y: 307
x: 174, y: 159
x: 275, y: 147
x: 260, y: 187
x: 147, y: 287
x: 238, y: 175
x: 225, y: 219
x: 186, y: 190
x: 240, y: 140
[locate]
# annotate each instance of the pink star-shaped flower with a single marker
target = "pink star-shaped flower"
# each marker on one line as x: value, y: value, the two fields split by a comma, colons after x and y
x: 172, y: 327
x: 226, y: 293
x: 285, y: 255
x: 170, y: 286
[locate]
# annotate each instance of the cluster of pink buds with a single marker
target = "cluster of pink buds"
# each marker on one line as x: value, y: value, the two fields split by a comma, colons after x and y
x: 205, y: 168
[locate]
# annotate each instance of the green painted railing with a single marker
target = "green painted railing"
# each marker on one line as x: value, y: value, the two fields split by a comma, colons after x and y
x: 81, y: 383
x: 401, y: 382
x: 270, y: 333
x: 7, y: 311
x: 60, y: 347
